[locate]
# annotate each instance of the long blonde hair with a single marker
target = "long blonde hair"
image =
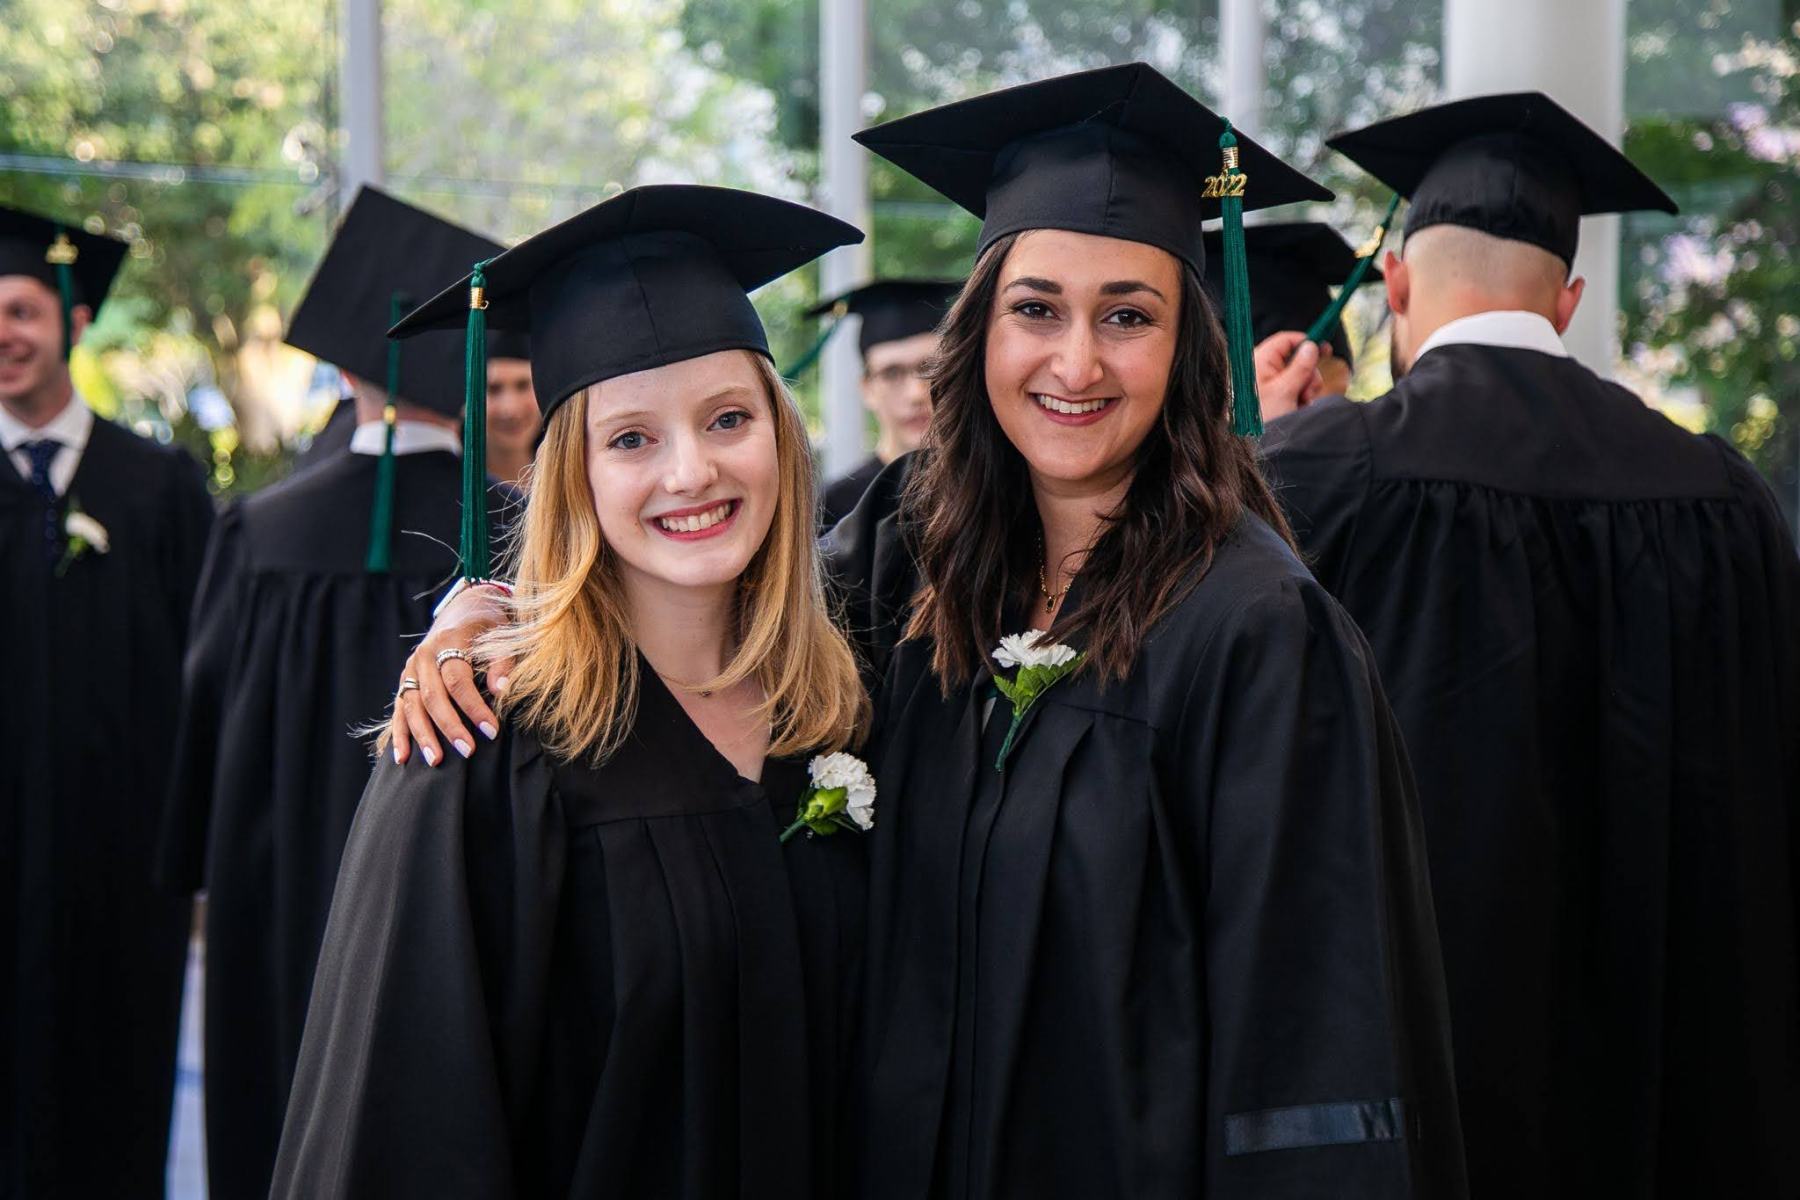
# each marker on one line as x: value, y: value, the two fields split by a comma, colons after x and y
x: 575, y: 678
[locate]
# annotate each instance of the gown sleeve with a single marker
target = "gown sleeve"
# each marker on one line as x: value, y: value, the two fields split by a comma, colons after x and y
x: 1330, y: 1062
x: 421, y: 1042
x: 206, y: 675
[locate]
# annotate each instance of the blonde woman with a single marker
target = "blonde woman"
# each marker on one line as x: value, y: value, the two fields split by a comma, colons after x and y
x: 582, y: 963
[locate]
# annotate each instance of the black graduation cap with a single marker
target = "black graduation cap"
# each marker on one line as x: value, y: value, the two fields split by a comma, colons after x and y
x: 388, y: 255
x: 1119, y: 151
x: 80, y: 265
x: 892, y: 309
x: 1517, y: 165
x: 656, y: 275
x: 1293, y: 267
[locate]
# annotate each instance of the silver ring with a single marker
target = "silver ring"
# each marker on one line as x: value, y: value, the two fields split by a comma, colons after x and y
x: 409, y: 684
x: 444, y: 656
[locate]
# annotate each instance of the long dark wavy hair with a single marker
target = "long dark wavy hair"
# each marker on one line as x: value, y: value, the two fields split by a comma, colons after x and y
x: 968, y: 506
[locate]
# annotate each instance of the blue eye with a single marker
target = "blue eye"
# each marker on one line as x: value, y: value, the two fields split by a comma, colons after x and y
x: 731, y: 420
x: 631, y: 440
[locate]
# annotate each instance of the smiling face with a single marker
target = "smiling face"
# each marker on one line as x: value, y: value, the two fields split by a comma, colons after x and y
x: 1080, y: 346
x: 682, y: 460
x: 33, y: 377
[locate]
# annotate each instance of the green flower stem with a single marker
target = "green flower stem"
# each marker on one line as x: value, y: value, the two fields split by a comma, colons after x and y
x: 821, y: 810
x: 1011, y: 732
x: 1025, y: 691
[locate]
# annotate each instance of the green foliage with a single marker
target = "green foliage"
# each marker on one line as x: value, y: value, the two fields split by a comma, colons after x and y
x: 224, y: 89
x: 1711, y: 302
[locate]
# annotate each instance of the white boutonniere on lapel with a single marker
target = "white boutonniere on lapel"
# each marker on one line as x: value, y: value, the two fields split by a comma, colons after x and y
x: 83, y: 534
x: 842, y: 796
x: 1041, y: 665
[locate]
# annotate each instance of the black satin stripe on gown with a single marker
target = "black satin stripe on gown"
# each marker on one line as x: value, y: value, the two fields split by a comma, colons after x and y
x: 90, y: 954
x: 294, y: 645
x: 544, y: 979
x: 1587, y: 620
x: 1192, y: 898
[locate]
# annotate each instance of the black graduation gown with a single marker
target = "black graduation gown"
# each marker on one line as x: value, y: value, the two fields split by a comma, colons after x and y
x: 543, y: 979
x: 1589, y: 622
x: 1183, y: 945
x: 294, y: 644
x: 92, y: 954
x: 841, y: 495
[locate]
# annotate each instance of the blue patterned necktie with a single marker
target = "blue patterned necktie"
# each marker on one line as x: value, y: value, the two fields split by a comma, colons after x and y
x: 41, y: 453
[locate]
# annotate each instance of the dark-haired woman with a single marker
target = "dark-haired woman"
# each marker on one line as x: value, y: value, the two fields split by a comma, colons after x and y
x: 1167, y: 932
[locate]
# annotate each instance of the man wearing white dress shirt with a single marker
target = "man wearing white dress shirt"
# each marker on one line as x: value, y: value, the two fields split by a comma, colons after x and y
x: 1585, y: 619
x: 101, y: 534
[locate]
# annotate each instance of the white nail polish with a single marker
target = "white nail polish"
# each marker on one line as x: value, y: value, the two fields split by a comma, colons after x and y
x: 500, y: 684
x: 396, y: 756
x: 430, y: 758
x: 488, y: 731
x: 462, y: 747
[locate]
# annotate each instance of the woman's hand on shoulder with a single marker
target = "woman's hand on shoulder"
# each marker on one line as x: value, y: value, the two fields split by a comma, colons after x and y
x: 446, y: 695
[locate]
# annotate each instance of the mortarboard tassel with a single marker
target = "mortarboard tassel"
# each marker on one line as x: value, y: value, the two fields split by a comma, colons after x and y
x: 381, y: 512
x: 474, y: 547
x: 818, y: 347
x: 1365, y: 255
x: 1228, y: 188
x: 62, y: 255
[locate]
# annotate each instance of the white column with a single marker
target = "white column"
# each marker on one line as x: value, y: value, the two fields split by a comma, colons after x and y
x: 359, y: 96
x: 844, y: 180
x: 1242, y: 34
x: 1573, y: 50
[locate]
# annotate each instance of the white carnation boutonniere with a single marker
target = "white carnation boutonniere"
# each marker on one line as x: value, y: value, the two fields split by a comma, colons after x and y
x: 1041, y: 665
x: 83, y: 534
x: 842, y: 796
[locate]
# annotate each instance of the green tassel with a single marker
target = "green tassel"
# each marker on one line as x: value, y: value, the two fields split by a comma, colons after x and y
x: 474, y: 547
x: 1246, y: 410
x: 800, y: 365
x: 1320, y: 329
x: 381, y: 513
x: 62, y: 254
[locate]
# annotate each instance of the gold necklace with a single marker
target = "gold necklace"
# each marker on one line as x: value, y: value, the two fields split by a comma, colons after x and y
x: 1051, y: 599
x: 682, y: 685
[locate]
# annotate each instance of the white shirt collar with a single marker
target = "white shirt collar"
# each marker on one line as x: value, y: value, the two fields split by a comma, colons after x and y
x: 410, y: 437
x: 71, y: 427
x: 1510, y: 328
